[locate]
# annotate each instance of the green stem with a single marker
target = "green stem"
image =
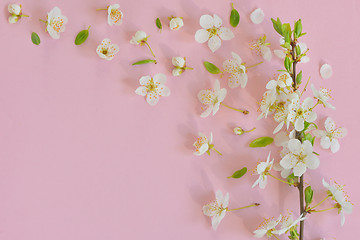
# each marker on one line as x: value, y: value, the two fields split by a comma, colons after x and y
x: 315, y: 105
x: 189, y: 68
x: 150, y: 48
x: 42, y: 21
x: 280, y: 179
x: 318, y: 203
x: 323, y: 210
x: 252, y: 205
x: 276, y: 237
x: 216, y: 151
x: 305, y: 87
x: 23, y: 15
x: 250, y: 130
x: 255, y: 65
x: 239, y: 110
x: 101, y: 9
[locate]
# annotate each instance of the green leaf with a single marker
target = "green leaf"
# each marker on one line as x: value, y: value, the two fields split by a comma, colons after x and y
x: 239, y: 173
x: 145, y: 62
x: 261, y: 142
x: 234, y: 16
x: 298, y: 78
x: 277, y: 26
x: 298, y: 50
x: 310, y: 138
x: 286, y: 29
x: 309, y: 193
x: 82, y: 36
x: 35, y: 38
x: 158, y: 23
x: 297, y: 29
x: 211, y: 68
x: 287, y: 64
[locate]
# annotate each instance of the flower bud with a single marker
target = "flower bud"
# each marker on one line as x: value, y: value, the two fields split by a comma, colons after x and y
x: 238, y: 131
x: 176, y: 23
x: 13, y: 19
x: 14, y: 9
x: 177, y: 72
x: 178, y: 62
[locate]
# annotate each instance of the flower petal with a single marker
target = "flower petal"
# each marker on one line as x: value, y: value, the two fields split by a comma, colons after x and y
x: 152, y: 98
x: 226, y: 34
x: 312, y: 161
x: 326, y: 71
x: 217, y: 21
x: 206, y: 96
x: 266, y: 53
x: 299, y: 169
x: 207, y: 112
x: 163, y: 90
x: 325, y: 142
x: 340, y: 132
x: 145, y: 80
x: 214, y: 43
x: 142, y: 91
x: 178, y: 61
x: 159, y: 78
x: 280, y: 53
x: 257, y: 16
x: 294, y: 146
x: 206, y: 21
x: 202, y: 35
x: 329, y: 124
x: 335, y: 146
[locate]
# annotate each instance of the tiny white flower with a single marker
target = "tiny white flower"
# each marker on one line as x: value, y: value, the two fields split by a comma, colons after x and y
x: 287, y: 223
x: 267, y: 228
x: 115, y: 16
x: 298, y: 114
x: 326, y: 71
x: 176, y: 23
x: 212, y: 99
x: 14, y: 9
x: 212, y: 32
x: 237, y: 70
x: 323, y: 96
x: 266, y: 104
x: 202, y: 144
x: 153, y: 88
x: 257, y: 16
x: 180, y: 66
x: 107, y: 50
x: 261, y: 47
x: 13, y: 19
x: 140, y: 37
x: 217, y: 209
x: 329, y: 137
x: 55, y: 23
x: 262, y: 169
x: 300, y: 157
x: 337, y: 193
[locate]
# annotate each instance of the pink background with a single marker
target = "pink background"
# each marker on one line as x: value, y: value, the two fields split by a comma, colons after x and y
x: 83, y: 157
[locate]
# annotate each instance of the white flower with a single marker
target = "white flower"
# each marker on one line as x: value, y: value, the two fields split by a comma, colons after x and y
x: 257, y: 16
x: 202, y: 144
x: 106, y: 50
x: 13, y: 19
x: 153, y: 88
x: 329, y: 136
x: 55, y: 23
x: 139, y: 38
x: 267, y: 228
x: 326, y: 71
x: 115, y: 16
x: 265, y: 105
x: 337, y: 193
x: 176, y: 23
x: 262, y: 169
x: 288, y: 223
x: 217, y: 209
x: 261, y: 47
x: 323, y: 96
x: 180, y: 65
x: 300, y: 157
x: 213, y: 32
x: 14, y: 9
x: 298, y: 114
x: 212, y: 99
x: 237, y: 71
